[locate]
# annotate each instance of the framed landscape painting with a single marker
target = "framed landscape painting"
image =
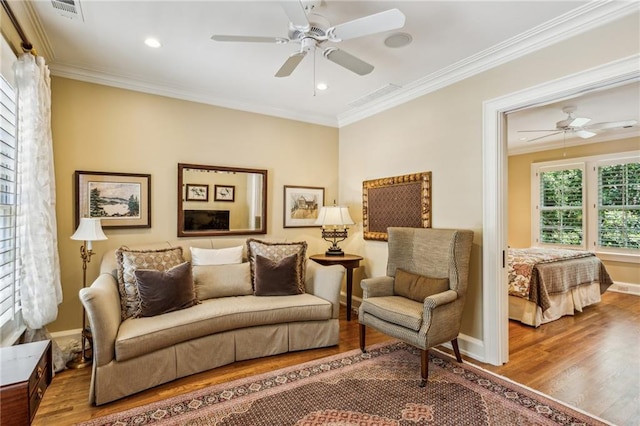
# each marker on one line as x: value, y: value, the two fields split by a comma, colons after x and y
x: 120, y: 200
x: 301, y: 206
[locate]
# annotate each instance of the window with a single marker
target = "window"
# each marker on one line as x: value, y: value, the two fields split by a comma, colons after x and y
x: 561, y: 197
x: 590, y: 203
x: 619, y: 205
x: 10, y: 313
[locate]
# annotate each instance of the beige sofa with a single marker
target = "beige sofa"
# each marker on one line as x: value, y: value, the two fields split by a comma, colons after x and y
x: 138, y: 353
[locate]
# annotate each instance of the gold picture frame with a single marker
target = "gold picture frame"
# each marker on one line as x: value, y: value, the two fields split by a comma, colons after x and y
x: 402, y: 201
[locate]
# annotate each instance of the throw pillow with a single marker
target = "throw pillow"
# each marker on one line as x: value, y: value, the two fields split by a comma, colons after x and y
x: 223, y: 256
x: 213, y: 281
x: 131, y: 260
x: 165, y: 291
x: 418, y: 287
x: 276, y: 278
x: 277, y: 252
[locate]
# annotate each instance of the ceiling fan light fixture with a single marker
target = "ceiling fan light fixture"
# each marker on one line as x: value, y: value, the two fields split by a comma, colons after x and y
x: 322, y: 86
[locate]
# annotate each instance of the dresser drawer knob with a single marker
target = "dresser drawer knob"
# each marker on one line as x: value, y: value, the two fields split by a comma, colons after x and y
x: 39, y: 372
x: 39, y: 393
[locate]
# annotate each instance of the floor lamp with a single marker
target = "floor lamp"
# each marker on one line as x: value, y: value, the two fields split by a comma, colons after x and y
x: 89, y: 230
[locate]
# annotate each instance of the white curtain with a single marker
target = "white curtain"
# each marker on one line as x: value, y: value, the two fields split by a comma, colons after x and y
x: 41, y: 292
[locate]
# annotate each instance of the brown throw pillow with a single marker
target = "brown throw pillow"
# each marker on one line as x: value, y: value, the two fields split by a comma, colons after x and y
x: 131, y: 260
x: 165, y: 291
x: 418, y: 287
x: 277, y: 252
x: 276, y: 278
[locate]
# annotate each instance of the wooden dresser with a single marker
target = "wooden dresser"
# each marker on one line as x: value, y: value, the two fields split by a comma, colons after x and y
x: 25, y: 372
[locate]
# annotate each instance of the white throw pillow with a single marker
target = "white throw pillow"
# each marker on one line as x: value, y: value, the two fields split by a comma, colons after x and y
x: 224, y: 256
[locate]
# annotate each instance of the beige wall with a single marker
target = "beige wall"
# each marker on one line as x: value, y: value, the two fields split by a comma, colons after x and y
x: 442, y: 132
x: 99, y: 128
x: 520, y: 196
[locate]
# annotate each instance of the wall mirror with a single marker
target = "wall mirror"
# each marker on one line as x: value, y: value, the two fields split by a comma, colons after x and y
x: 215, y: 200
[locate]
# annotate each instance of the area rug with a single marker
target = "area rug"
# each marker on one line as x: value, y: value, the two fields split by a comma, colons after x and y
x: 379, y: 387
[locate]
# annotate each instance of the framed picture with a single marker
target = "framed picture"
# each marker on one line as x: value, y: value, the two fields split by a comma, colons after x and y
x: 121, y: 200
x: 225, y: 193
x: 301, y: 206
x: 196, y: 192
x: 396, y: 201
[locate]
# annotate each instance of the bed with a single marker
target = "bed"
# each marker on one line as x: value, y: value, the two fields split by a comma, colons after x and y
x: 546, y: 284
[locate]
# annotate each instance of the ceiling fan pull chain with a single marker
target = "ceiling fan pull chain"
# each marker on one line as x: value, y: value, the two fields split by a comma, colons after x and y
x: 314, y: 73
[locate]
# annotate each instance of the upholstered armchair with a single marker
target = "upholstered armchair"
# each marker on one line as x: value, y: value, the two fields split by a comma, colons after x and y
x: 420, y: 300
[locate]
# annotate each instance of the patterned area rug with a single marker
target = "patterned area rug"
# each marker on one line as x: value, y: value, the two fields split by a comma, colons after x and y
x: 378, y: 388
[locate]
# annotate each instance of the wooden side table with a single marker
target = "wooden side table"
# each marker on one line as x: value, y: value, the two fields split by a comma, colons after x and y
x: 26, y: 373
x: 350, y: 262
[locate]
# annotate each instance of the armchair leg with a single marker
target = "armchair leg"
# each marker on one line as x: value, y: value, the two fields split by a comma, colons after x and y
x: 362, y: 337
x: 424, y: 366
x: 456, y: 350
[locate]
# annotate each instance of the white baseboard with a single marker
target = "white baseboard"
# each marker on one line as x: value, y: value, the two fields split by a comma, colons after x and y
x: 64, y: 337
x: 627, y: 288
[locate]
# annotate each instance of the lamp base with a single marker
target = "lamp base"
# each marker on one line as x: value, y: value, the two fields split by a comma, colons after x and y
x: 79, y: 361
x: 334, y: 252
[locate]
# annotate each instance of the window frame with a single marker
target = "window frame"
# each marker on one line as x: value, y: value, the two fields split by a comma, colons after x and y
x: 13, y: 325
x: 590, y: 204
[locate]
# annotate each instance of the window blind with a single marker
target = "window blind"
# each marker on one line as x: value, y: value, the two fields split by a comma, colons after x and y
x: 619, y: 205
x: 9, y: 285
x: 561, y: 202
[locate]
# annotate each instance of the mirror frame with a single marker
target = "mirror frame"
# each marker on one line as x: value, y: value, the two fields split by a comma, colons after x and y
x: 216, y: 233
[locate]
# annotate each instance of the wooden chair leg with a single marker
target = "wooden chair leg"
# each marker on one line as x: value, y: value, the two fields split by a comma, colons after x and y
x: 362, y: 335
x: 456, y: 350
x: 424, y: 366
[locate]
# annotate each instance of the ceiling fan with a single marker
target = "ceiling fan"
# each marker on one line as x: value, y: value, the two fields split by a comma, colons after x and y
x: 311, y: 30
x: 578, y: 125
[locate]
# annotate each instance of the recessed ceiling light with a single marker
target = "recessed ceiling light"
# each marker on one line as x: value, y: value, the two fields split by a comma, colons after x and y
x: 152, y: 42
x: 322, y: 86
x: 398, y: 40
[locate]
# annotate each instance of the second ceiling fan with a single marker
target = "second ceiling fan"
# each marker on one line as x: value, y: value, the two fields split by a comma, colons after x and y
x: 579, y: 126
x: 311, y: 30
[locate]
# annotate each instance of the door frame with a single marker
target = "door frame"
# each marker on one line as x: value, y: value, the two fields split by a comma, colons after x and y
x: 495, y: 311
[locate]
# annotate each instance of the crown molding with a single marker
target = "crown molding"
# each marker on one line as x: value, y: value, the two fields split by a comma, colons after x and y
x: 577, y: 21
x: 28, y: 18
x: 137, y: 85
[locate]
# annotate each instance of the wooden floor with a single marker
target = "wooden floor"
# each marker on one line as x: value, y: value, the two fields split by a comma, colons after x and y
x: 591, y: 361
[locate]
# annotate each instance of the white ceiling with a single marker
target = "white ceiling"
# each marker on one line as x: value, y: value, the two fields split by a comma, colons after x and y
x: 449, y: 38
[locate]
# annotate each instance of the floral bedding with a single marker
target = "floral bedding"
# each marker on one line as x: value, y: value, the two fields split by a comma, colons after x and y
x: 531, y: 278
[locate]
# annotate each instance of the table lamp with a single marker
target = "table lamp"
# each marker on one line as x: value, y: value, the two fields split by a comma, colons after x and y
x: 334, y: 221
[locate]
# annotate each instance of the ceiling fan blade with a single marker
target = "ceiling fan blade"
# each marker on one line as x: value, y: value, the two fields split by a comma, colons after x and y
x: 579, y: 122
x: 612, y: 125
x: 544, y: 130
x: 585, y: 134
x: 384, y: 21
x: 290, y: 64
x: 545, y: 136
x: 249, y: 39
x: 297, y: 16
x: 347, y: 61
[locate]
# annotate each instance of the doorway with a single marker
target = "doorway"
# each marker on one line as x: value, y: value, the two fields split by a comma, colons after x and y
x: 495, y: 298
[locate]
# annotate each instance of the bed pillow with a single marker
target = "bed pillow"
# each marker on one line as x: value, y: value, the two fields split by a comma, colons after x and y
x: 131, y: 260
x: 165, y: 291
x: 276, y: 278
x: 223, y: 256
x: 418, y: 287
x: 213, y: 281
x: 276, y: 252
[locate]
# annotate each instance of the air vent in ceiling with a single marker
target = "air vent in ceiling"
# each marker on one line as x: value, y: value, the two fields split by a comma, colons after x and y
x: 374, y: 95
x: 68, y: 8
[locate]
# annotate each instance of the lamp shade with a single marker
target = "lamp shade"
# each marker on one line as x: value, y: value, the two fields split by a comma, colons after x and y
x: 89, y: 229
x: 334, y: 216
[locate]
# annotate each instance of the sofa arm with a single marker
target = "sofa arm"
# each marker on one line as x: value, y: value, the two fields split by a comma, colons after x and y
x: 377, y: 287
x: 325, y: 282
x: 102, y: 302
